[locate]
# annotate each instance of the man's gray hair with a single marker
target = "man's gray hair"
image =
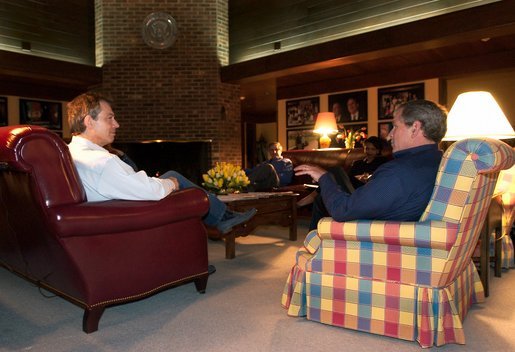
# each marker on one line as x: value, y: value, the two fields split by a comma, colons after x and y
x: 432, y: 116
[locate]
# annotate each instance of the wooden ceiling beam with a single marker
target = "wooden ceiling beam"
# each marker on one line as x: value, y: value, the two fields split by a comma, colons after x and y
x: 26, y: 73
x: 447, y: 69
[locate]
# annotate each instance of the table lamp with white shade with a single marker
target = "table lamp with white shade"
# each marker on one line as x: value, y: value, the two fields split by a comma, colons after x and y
x: 325, y: 125
x: 477, y: 114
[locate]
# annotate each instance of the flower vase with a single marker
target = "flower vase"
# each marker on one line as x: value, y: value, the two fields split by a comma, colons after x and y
x: 349, y: 144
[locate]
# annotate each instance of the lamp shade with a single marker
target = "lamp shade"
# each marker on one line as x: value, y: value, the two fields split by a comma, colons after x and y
x: 477, y: 114
x: 325, y: 123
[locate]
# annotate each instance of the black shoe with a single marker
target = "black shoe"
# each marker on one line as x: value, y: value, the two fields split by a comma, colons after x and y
x: 233, y: 219
x: 211, y: 269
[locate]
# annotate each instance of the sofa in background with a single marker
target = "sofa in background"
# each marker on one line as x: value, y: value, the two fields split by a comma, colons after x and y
x: 93, y: 254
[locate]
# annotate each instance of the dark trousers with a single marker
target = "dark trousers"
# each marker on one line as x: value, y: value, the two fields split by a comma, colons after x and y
x: 319, y: 210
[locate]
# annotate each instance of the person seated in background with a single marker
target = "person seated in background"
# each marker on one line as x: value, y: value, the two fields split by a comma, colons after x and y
x: 359, y: 172
x: 399, y: 189
x: 272, y: 173
x: 105, y: 176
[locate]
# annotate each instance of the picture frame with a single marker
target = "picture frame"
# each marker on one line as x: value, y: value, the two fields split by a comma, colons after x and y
x: 349, y: 107
x: 302, y: 112
x: 302, y: 139
x: 41, y: 113
x: 4, y: 116
x: 390, y: 97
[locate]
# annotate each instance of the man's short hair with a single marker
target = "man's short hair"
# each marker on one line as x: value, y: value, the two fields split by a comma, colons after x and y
x: 273, y: 144
x: 81, y: 106
x: 432, y: 116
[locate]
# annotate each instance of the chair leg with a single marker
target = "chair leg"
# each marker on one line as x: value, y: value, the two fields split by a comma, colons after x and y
x: 201, y: 283
x: 498, y: 253
x: 91, y: 319
x: 484, y: 258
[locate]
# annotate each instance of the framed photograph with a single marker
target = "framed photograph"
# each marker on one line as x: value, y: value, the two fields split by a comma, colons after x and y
x: 349, y: 107
x: 384, y: 129
x: 42, y: 113
x: 302, y: 112
x: 302, y: 139
x: 389, y: 98
x: 3, y: 111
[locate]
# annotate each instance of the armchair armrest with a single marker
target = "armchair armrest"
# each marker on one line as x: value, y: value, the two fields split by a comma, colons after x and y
x: 93, y: 218
x: 427, y: 234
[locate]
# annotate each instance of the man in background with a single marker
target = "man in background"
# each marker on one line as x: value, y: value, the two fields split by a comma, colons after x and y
x: 275, y: 172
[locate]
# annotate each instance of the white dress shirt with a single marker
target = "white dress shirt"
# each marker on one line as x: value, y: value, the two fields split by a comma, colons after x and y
x: 105, y: 176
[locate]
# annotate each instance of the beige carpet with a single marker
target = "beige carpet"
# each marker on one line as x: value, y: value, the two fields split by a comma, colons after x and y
x: 240, y: 312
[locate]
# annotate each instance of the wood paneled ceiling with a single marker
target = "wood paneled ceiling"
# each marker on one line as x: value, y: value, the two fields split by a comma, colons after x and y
x: 452, y: 45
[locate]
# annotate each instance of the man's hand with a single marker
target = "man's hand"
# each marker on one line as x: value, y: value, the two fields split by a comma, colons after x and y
x: 175, y: 183
x: 314, y: 171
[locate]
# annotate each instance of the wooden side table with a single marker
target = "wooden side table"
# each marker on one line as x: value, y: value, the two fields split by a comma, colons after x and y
x: 273, y: 208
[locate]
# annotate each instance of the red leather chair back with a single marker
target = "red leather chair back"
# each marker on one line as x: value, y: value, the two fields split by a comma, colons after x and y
x: 45, y: 159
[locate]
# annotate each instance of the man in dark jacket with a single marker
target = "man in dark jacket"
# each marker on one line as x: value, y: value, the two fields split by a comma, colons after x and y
x: 399, y: 189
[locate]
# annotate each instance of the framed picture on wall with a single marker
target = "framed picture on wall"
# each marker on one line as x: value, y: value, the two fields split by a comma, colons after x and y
x: 349, y: 107
x: 3, y: 111
x: 302, y: 139
x: 302, y: 112
x: 389, y: 98
x: 42, y: 113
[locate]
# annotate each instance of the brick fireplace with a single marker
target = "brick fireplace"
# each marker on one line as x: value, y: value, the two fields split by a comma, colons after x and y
x: 175, y: 93
x: 190, y: 158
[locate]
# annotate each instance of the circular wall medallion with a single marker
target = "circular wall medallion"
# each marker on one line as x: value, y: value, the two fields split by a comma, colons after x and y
x: 159, y: 30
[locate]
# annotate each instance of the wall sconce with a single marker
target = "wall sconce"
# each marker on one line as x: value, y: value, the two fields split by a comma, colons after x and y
x: 477, y: 114
x: 325, y: 124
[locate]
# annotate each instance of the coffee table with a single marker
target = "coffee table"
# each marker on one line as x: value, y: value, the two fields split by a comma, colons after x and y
x: 273, y: 208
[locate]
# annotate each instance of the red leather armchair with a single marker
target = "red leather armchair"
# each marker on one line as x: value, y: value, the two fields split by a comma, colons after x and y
x: 93, y: 254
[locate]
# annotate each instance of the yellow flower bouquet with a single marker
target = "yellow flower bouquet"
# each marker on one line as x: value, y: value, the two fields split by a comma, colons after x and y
x: 225, y: 178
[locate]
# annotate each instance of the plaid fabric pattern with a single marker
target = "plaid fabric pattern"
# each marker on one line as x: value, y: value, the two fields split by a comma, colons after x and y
x: 410, y: 280
x: 384, y: 250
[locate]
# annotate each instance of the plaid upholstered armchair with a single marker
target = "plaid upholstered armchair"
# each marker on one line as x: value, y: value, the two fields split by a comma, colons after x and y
x: 409, y: 280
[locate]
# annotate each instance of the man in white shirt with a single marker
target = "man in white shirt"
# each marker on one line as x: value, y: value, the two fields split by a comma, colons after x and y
x: 105, y: 176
